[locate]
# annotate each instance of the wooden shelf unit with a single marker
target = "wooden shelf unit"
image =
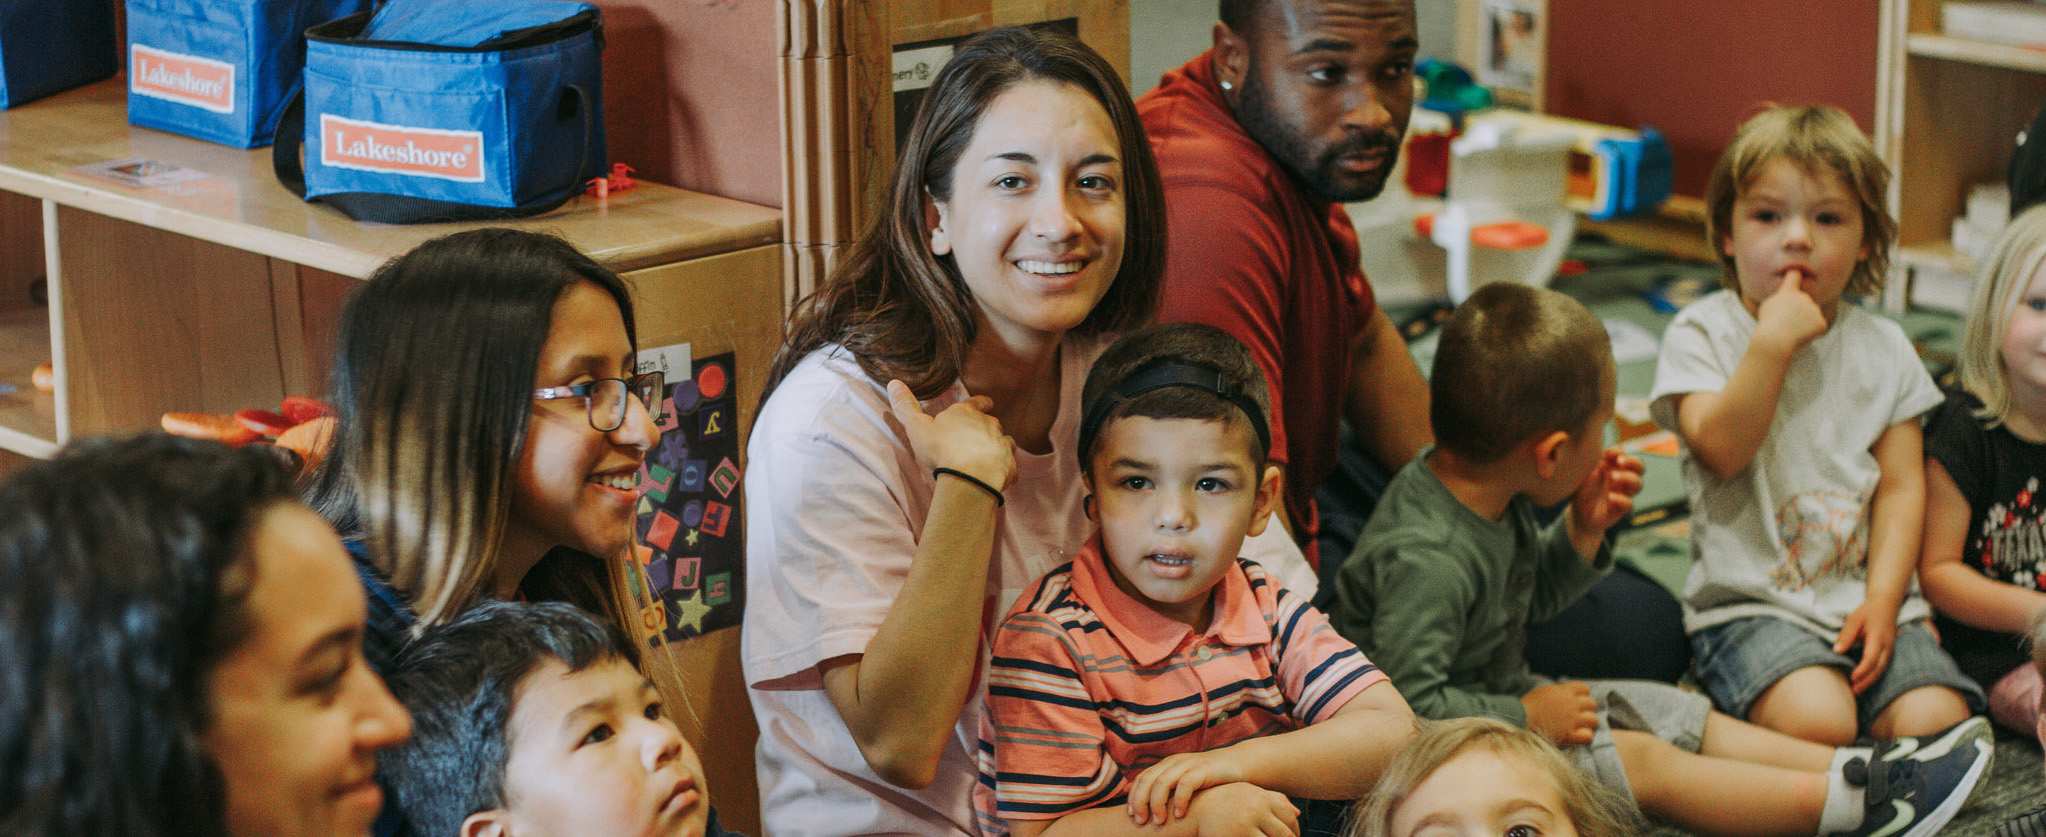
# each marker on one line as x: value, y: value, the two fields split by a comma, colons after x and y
x: 1948, y: 113
x: 1968, y: 51
x: 221, y: 293
x: 28, y: 416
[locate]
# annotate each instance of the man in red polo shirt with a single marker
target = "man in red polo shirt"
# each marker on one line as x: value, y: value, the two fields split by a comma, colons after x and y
x: 1298, y: 108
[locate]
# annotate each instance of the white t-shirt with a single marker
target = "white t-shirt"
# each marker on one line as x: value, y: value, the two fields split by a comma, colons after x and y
x: 1788, y: 537
x: 835, y: 507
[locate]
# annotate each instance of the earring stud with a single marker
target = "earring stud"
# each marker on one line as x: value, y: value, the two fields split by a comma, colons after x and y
x: 1228, y: 86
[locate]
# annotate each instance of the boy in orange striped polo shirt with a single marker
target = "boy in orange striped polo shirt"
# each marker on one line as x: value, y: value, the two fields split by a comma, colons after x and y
x: 1159, y: 679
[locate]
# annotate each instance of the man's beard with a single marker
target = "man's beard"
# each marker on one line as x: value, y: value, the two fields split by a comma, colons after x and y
x: 1319, y: 172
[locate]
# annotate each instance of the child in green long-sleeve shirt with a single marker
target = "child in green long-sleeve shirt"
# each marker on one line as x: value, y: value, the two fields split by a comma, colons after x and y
x: 1452, y: 567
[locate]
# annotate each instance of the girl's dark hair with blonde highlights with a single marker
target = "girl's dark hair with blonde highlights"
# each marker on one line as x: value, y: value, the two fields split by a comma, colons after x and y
x: 1815, y: 138
x: 433, y: 381
x: 903, y: 311
x: 1595, y: 810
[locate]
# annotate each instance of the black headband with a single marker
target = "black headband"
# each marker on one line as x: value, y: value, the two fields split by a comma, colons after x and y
x: 1172, y: 373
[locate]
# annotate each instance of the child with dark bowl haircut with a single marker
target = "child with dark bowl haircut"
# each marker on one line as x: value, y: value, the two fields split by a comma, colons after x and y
x: 530, y: 720
x: 1453, y: 567
x: 1159, y: 682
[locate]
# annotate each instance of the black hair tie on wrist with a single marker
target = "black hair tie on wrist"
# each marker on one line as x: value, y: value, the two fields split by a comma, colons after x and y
x: 991, y: 490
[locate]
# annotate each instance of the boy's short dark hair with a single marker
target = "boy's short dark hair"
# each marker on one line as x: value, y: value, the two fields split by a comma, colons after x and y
x: 1175, y: 370
x: 460, y: 681
x: 1515, y: 362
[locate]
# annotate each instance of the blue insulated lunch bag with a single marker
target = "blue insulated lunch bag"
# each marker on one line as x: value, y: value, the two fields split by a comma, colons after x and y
x: 440, y: 110
x: 52, y: 45
x: 220, y: 70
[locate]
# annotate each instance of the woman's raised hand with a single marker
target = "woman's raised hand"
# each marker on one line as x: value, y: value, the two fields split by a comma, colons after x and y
x: 962, y: 437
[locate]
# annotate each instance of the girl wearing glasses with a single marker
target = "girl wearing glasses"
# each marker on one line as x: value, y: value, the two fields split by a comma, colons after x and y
x: 491, y: 430
x: 911, y: 469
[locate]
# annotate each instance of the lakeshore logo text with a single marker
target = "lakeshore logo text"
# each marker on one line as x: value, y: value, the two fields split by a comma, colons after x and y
x: 186, y: 79
x: 396, y: 149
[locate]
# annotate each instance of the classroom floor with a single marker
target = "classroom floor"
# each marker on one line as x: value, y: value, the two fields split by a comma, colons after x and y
x: 1625, y: 287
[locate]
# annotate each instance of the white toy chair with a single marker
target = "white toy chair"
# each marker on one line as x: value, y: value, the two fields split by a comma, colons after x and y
x: 1506, y: 214
x: 1510, y: 204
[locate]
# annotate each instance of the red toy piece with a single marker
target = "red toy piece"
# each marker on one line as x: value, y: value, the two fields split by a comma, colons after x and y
x: 209, y: 426
x: 265, y: 422
x: 301, y: 409
x: 1509, y: 235
x: 619, y: 181
x: 1504, y: 235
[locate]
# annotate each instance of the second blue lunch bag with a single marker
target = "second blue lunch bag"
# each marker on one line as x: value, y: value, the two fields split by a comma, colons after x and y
x: 438, y: 110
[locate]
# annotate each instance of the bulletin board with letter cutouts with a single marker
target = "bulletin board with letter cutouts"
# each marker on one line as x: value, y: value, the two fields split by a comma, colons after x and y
x: 688, y: 515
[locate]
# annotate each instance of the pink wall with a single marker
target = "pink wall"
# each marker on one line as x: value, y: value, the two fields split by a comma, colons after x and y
x: 1695, y: 70
x: 690, y: 94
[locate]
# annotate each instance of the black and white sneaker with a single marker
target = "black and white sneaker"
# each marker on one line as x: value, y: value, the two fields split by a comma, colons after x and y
x: 1915, y: 786
x: 1933, y: 746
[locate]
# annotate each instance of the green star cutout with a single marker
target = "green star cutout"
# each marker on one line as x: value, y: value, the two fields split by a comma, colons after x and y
x: 690, y: 611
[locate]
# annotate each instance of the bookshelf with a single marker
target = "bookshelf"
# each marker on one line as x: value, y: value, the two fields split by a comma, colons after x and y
x: 1948, y: 113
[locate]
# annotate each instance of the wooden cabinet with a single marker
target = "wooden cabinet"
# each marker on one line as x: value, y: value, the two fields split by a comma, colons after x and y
x: 1948, y: 114
x: 221, y: 293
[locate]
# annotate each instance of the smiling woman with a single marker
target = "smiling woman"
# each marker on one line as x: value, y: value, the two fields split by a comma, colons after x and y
x: 180, y: 651
x: 491, y: 430
x: 887, y: 533
x: 1034, y: 221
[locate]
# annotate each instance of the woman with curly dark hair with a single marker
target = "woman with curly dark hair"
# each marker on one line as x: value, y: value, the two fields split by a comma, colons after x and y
x: 180, y: 651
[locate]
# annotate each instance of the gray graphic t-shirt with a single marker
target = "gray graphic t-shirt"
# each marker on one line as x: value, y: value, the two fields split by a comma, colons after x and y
x: 1788, y: 537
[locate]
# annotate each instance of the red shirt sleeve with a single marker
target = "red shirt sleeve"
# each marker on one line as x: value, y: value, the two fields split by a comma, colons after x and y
x: 1224, y: 264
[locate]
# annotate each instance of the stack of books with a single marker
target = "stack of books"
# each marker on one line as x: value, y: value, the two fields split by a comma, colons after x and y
x: 2015, y: 22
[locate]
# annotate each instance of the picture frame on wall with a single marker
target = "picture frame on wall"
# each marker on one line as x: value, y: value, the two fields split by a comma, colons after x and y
x: 1511, y: 38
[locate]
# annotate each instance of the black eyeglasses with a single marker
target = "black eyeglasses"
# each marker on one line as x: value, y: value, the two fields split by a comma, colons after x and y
x: 606, y: 399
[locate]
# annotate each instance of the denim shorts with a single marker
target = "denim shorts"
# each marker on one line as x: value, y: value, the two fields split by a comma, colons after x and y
x: 1739, y: 660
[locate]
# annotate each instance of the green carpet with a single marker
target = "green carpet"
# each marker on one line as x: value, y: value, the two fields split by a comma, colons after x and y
x: 1617, y: 284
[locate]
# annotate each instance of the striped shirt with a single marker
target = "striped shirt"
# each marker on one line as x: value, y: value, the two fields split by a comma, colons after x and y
x: 1088, y: 686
